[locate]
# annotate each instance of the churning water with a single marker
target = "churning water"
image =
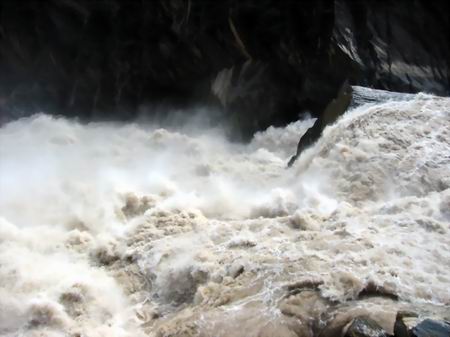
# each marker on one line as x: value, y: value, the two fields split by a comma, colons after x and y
x: 131, y: 230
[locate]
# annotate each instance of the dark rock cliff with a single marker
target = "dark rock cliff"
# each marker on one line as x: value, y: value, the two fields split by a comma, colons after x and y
x: 261, y: 62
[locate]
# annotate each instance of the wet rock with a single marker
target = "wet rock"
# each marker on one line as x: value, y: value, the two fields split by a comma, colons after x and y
x: 431, y: 328
x: 338, y: 318
x: 404, y: 322
x: 260, y: 63
x: 334, y: 109
x: 408, y: 324
x: 362, y: 95
x: 385, y: 45
x: 364, y: 327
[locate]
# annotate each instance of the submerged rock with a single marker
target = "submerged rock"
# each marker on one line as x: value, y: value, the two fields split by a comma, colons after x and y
x: 408, y: 324
x: 404, y: 322
x: 334, y: 109
x: 431, y: 328
x: 365, y: 327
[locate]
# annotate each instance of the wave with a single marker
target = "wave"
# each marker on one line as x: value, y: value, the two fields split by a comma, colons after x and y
x: 130, y: 230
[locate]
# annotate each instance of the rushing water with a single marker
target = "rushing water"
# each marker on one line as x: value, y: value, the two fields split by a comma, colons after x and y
x: 130, y: 230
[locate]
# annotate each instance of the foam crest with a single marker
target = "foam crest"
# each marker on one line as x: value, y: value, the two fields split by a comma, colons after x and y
x: 129, y: 230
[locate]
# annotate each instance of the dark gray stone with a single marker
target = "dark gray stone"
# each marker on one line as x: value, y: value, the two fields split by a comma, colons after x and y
x: 403, y: 323
x: 334, y: 109
x: 117, y: 60
x: 365, y: 327
x: 431, y: 328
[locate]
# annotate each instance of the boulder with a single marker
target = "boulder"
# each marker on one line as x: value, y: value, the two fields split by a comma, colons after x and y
x: 431, y: 328
x: 334, y: 109
x: 404, y: 322
x: 408, y: 324
x: 364, y: 327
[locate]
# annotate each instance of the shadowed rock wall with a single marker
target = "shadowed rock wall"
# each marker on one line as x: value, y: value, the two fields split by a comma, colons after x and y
x: 261, y: 62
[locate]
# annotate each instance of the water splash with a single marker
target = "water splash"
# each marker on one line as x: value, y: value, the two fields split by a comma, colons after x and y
x: 128, y: 230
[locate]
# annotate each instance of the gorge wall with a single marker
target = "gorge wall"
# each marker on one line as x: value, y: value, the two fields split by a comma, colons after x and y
x: 258, y: 63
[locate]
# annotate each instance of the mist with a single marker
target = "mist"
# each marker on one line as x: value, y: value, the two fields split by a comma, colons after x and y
x: 130, y: 229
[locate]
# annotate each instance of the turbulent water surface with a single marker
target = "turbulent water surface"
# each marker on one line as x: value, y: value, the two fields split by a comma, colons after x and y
x: 131, y: 230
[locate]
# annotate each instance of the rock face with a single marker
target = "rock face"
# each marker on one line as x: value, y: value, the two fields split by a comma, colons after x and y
x: 413, y: 327
x: 334, y: 109
x: 398, y: 45
x: 431, y: 328
x: 260, y: 62
x: 364, y: 327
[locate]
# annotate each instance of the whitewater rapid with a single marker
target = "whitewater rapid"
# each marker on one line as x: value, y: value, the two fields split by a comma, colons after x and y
x: 133, y: 230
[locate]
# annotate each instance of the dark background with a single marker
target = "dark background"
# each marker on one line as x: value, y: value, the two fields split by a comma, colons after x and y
x: 258, y: 62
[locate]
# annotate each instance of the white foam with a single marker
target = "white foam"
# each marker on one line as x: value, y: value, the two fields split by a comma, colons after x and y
x: 125, y: 229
